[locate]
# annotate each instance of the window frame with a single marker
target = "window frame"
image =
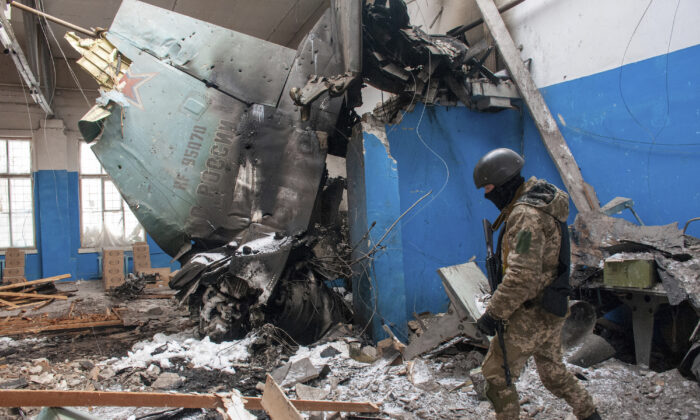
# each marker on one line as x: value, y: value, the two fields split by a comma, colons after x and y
x: 103, y: 176
x: 9, y: 176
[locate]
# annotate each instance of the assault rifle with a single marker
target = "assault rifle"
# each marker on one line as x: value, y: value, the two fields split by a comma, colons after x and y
x: 494, y: 280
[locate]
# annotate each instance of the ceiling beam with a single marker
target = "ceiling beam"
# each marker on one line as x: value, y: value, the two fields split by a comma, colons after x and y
x: 9, y: 40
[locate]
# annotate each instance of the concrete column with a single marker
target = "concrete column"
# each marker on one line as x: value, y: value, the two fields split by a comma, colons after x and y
x: 53, y: 199
x: 373, y: 197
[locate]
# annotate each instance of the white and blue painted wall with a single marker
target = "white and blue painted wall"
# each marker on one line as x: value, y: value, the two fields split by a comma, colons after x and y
x: 622, y: 80
x: 55, y: 145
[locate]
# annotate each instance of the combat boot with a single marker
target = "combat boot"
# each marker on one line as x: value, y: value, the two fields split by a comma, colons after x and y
x: 594, y: 416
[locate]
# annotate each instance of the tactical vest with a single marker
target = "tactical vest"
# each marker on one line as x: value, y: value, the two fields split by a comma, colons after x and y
x: 555, y: 296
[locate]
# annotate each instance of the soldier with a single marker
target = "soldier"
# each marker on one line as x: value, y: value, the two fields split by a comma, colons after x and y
x: 533, y: 215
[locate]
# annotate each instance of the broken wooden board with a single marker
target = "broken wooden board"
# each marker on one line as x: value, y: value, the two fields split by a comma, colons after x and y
x: 34, y: 304
x: 7, y: 303
x: 21, y: 325
x: 276, y: 404
x: 35, y: 282
x: 255, y: 403
x: 32, y: 295
x: 51, y: 398
x: 463, y: 283
x: 580, y: 192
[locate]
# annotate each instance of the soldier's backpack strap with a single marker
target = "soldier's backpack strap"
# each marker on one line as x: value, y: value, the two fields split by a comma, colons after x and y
x: 555, y: 297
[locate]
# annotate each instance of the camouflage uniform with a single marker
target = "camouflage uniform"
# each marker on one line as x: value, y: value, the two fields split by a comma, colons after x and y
x: 530, y: 251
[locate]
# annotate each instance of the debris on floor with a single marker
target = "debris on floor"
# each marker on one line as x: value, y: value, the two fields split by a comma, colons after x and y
x: 29, y: 295
x: 23, y: 325
x: 438, y: 387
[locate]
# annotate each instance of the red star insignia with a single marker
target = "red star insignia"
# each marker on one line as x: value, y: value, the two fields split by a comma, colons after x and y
x: 129, y: 86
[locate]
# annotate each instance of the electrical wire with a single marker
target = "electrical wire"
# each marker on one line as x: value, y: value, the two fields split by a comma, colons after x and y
x: 70, y: 69
x: 622, y: 62
x: 668, y: 50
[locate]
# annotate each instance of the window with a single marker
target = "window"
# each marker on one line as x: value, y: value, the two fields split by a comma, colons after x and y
x: 16, y: 194
x: 106, y: 219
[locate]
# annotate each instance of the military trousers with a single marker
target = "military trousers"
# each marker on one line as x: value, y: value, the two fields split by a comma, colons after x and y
x: 532, y: 332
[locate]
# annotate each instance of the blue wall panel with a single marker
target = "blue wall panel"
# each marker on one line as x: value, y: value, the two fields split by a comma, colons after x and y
x: 57, y: 224
x: 445, y: 228
x: 379, y: 287
x: 634, y: 131
x: 54, y: 219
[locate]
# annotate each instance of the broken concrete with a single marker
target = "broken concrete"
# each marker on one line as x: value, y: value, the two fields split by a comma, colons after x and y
x: 300, y: 372
x: 168, y: 380
x: 305, y: 392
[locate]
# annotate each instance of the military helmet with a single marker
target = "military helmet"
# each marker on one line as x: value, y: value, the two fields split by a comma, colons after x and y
x: 496, y: 167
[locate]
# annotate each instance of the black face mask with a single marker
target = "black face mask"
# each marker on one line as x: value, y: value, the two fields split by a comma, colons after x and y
x: 503, y: 195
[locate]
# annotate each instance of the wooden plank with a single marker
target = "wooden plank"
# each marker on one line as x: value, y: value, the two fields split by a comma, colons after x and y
x: 6, y: 303
x: 33, y: 295
x: 41, y: 305
x: 255, y: 403
x: 50, y: 398
x: 16, y: 329
x: 41, y: 398
x: 551, y: 136
x: 276, y: 404
x: 39, y: 281
x: 27, y: 305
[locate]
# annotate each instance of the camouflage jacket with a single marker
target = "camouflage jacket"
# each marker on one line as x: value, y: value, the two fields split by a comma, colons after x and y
x: 530, y: 245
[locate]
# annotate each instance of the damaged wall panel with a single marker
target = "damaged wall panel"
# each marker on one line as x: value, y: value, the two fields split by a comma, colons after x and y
x: 210, y: 161
x: 445, y: 228
x: 379, y: 288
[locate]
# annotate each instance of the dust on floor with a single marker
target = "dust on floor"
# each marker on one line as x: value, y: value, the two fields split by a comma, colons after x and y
x: 164, y: 355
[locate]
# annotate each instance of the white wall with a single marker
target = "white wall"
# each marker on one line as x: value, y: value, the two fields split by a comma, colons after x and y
x: 569, y: 39
x: 55, y: 139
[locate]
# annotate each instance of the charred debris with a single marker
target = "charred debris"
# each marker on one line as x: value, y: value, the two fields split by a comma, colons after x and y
x: 235, y: 187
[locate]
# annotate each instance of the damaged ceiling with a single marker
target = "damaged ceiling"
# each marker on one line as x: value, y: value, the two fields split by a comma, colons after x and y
x: 283, y: 23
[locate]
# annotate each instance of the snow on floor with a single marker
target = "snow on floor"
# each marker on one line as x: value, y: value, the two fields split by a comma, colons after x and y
x: 200, y: 353
x: 425, y: 389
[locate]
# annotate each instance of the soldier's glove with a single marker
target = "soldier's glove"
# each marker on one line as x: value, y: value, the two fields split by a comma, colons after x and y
x: 487, y: 324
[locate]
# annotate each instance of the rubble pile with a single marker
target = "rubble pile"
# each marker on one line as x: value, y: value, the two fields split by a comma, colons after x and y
x: 232, y: 289
x: 596, y: 237
x: 440, y: 387
x: 132, y: 287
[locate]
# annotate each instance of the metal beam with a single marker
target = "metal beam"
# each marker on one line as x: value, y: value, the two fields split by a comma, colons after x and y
x: 38, y: 52
x: 54, y: 19
x: 581, y: 193
x: 9, y: 40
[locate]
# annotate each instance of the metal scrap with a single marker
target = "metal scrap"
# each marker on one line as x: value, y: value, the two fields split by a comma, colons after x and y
x: 200, y: 130
x: 596, y: 236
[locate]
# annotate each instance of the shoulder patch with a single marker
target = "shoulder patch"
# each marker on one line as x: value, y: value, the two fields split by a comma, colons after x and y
x: 523, y: 240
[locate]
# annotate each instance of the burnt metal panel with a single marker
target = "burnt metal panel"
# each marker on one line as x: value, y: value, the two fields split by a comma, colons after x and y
x: 250, y: 69
x: 347, y: 21
x: 196, y: 164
